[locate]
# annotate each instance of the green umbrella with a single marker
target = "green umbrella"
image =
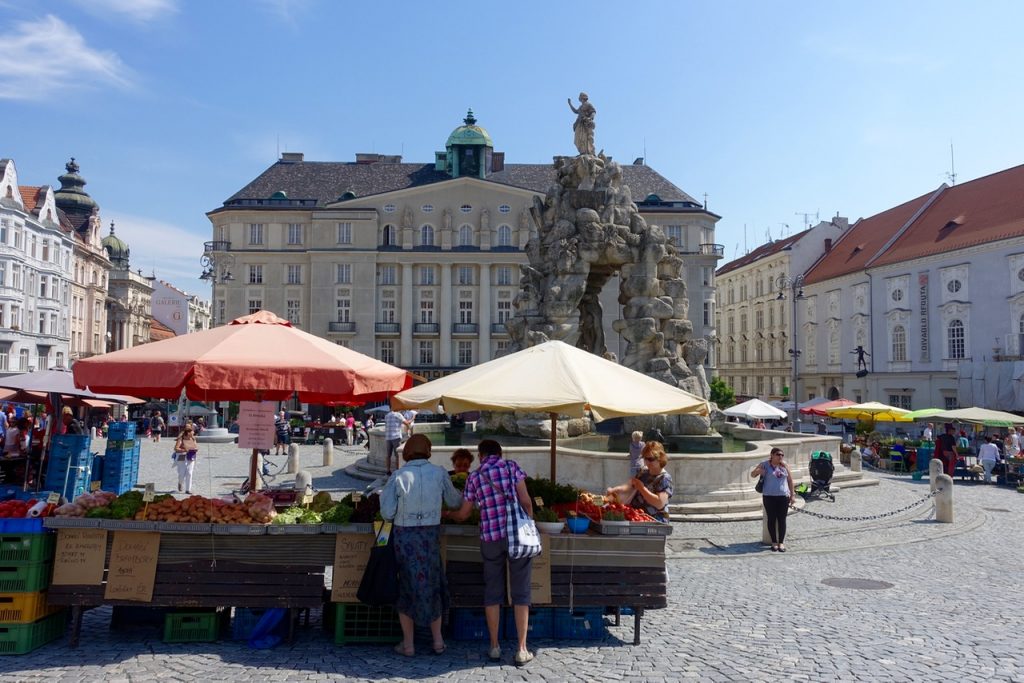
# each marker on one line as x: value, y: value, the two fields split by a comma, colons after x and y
x: 924, y: 413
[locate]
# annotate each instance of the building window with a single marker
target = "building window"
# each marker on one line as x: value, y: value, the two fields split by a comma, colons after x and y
x: 388, y: 237
x: 759, y: 320
x: 427, y: 236
x: 899, y: 344
x: 953, y: 286
x: 255, y: 305
x: 294, y: 311
x: 504, y: 236
x: 465, y: 275
x: 465, y: 311
x: 900, y: 401
x: 465, y: 354
x: 707, y: 314
x: 897, y: 295
x: 743, y: 323
x: 708, y: 274
x: 426, y: 311
x: 674, y: 234
x: 950, y: 402
x: 16, y: 275
x: 222, y: 312
x: 344, y: 233
x: 426, y: 275
x: 955, y: 340
x: 386, y: 275
x: 504, y: 275
x: 255, y: 233
x: 833, y: 347
x: 255, y: 275
x: 466, y: 208
x: 465, y: 236
x: 427, y: 208
x: 386, y: 351
x: 343, y: 273
x: 294, y: 274
x: 23, y: 359
x: 504, y: 310
x: 500, y: 347
x: 295, y: 233
x: 426, y: 352
x: 344, y: 309
x: 387, y: 310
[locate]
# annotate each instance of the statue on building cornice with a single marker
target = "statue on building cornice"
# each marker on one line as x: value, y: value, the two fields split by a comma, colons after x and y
x: 583, y: 127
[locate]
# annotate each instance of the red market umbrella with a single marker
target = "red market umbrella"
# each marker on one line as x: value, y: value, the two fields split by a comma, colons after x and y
x: 821, y: 409
x: 258, y: 357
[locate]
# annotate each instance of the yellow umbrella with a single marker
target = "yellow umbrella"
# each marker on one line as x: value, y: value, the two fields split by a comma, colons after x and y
x: 554, y: 378
x: 879, y: 412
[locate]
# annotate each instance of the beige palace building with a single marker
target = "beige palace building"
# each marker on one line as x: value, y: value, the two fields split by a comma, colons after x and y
x: 416, y: 264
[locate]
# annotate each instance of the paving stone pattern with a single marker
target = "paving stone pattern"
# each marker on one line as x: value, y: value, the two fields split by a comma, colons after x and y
x: 738, y: 612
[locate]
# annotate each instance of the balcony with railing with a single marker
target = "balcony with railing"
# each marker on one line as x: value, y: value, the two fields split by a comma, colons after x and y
x: 464, y: 328
x: 348, y: 327
x: 426, y: 328
x: 387, y: 328
x: 717, y: 250
x: 216, y: 245
x: 498, y: 328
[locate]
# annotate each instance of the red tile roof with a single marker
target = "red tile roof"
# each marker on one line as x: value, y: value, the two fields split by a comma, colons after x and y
x: 854, y: 250
x: 28, y: 197
x: 987, y: 209
x: 158, y: 331
x: 760, y: 253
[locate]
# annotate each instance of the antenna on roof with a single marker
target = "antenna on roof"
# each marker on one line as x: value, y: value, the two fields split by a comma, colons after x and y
x: 784, y: 229
x: 745, y: 250
x: 951, y: 176
x: 807, y: 217
x: 705, y: 201
x: 645, y: 149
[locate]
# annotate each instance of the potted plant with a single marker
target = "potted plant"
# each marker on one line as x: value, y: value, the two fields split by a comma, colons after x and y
x: 547, y: 520
x: 614, y: 517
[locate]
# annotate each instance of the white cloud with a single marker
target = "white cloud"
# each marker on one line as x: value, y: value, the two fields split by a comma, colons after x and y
x: 140, y: 11
x: 861, y: 53
x: 40, y: 58
x: 168, y: 250
x: 286, y: 10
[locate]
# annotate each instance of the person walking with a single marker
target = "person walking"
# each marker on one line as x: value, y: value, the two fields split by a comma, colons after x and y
x: 490, y: 487
x: 157, y: 426
x: 185, y: 450
x: 777, y: 495
x: 412, y: 499
x: 988, y: 454
x: 350, y: 428
x: 394, y: 426
x: 282, y: 435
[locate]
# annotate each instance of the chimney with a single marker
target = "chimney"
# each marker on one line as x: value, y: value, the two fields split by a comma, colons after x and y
x: 841, y: 222
x: 497, y: 161
x: 828, y: 244
x: 292, y: 157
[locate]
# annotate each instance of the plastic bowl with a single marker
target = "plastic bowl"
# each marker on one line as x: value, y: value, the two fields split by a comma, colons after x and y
x: 550, y: 527
x: 578, y: 525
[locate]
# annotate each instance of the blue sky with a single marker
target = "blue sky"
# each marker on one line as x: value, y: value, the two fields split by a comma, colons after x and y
x: 772, y: 109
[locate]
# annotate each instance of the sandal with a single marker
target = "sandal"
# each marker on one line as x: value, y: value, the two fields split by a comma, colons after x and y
x: 775, y: 548
x: 782, y: 548
x: 400, y: 650
x: 440, y: 649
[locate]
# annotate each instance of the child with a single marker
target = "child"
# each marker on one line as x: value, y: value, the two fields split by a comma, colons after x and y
x: 636, y: 447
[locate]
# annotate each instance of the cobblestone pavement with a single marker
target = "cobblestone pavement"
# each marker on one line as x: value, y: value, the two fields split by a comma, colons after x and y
x: 950, y: 611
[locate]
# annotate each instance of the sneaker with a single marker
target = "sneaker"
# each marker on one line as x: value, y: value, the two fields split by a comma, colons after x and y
x: 179, y: 488
x: 494, y: 654
x: 523, y: 657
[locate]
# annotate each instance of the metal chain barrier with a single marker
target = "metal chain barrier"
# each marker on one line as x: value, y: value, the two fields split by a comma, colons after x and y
x: 866, y: 518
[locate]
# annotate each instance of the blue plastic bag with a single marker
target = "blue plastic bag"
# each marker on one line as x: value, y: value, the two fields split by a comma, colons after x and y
x: 264, y: 634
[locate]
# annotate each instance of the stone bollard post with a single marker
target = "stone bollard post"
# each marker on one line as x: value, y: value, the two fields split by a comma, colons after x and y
x: 766, y: 538
x: 328, y: 452
x: 92, y: 432
x: 935, y: 469
x: 259, y: 474
x: 303, y: 484
x: 855, y: 465
x: 293, y: 458
x: 944, y: 499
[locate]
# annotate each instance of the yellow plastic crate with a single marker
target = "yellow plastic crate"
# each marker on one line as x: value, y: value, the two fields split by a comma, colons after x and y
x: 24, y: 608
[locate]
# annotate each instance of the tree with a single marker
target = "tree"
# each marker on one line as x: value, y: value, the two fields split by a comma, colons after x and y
x: 722, y: 394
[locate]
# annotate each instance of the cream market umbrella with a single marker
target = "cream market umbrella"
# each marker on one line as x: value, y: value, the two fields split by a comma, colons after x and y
x: 554, y: 378
x: 979, y: 416
x: 755, y: 409
x: 879, y: 412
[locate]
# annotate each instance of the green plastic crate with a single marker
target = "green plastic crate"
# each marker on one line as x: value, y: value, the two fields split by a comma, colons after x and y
x: 19, y: 639
x: 25, y: 578
x: 191, y: 627
x: 357, y: 623
x: 26, y: 548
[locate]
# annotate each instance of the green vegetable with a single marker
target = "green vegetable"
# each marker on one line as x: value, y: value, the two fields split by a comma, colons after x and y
x: 459, y: 480
x: 339, y: 514
x: 551, y: 492
x: 322, y: 502
x: 99, y: 512
x: 545, y: 515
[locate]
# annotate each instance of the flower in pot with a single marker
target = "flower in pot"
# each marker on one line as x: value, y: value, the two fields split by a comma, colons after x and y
x: 547, y: 520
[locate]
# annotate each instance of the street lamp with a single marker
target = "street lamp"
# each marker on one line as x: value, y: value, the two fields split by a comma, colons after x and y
x: 217, y: 264
x: 796, y: 285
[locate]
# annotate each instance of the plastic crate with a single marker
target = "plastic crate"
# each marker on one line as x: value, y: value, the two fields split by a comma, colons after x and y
x: 578, y: 624
x: 25, y: 578
x: 239, y: 529
x: 22, y: 525
x: 24, y: 608
x: 191, y: 627
x: 356, y: 623
x: 635, y: 529
x: 120, y: 445
x: 19, y: 639
x: 540, y: 624
x: 27, y: 548
x: 245, y: 620
x: 469, y: 623
x: 131, y: 616
x: 121, y: 430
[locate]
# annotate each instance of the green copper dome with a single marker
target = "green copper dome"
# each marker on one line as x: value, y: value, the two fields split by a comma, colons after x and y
x: 470, y: 134
x: 117, y: 250
x: 72, y: 197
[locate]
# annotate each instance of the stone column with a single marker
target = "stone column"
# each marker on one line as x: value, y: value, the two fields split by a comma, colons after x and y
x: 484, y: 314
x: 405, y: 358
x: 944, y: 499
x: 445, y: 315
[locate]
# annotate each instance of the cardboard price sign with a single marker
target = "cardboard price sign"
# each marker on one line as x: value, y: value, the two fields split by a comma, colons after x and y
x: 540, y: 575
x: 351, y: 553
x: 80, y: 556
x: 149, y: 493
x: 132, y: 573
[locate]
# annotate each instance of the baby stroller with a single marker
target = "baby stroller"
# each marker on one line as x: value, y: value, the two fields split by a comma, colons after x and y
x: 821, y: 470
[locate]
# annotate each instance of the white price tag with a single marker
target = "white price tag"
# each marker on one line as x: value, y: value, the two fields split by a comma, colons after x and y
x: 95, y: 486
x: 539, y: 501
x: 53, y: 498
x: 307, y: 498
x: 149, y: 494
x: 356, y: 497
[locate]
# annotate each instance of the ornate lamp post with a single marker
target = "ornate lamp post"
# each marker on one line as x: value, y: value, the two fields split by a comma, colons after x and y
x: 796, y: 287
x: 217, y: 263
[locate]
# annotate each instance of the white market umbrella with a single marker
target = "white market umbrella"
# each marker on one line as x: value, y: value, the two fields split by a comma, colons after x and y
x: 554, y: 378
x: 755, y: 409
x: 981, y: 416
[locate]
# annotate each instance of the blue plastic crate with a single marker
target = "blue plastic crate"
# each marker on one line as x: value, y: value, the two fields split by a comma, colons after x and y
x: 540, y: 624
x: 121, y: 431
x: 579, y: 624
x: 33, y: 525
x: 469, y: 623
